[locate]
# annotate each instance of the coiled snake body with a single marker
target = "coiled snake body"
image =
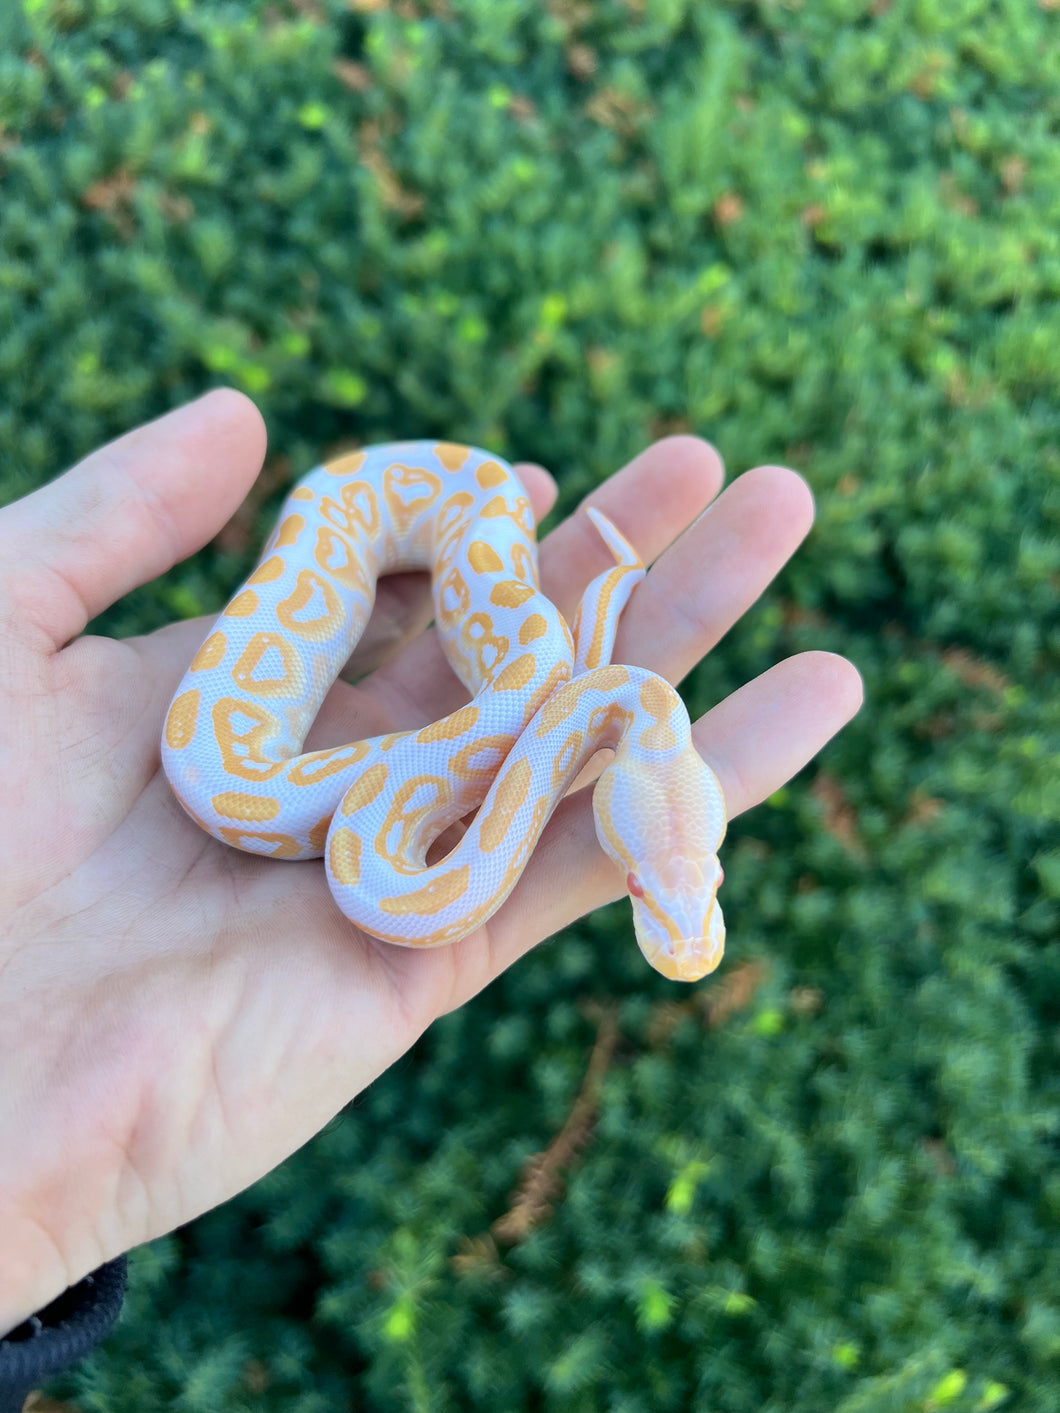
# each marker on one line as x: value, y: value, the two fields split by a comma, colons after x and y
x: 544, y: 699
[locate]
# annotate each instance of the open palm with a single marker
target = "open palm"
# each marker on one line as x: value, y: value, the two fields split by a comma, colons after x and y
x: 177, y: 1017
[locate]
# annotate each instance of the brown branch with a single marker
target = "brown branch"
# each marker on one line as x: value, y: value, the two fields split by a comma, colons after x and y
x: 542, y: 1180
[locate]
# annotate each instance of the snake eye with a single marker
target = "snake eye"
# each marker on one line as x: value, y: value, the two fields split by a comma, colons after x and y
x: 633, y: 886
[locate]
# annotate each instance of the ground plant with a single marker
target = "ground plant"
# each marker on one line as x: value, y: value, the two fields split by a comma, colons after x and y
x: 824, y: 233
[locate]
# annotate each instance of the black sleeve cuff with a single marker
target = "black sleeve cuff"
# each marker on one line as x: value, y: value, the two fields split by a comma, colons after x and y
x: 60, y: 1334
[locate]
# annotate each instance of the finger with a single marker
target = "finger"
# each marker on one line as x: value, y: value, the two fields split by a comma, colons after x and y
x: 540, y: 486
x: 651, y: 501
x: 755, y: 741
x: 129, y: 512
x: 768, y: 730
x: 711, y: 576
x: 708, y: 579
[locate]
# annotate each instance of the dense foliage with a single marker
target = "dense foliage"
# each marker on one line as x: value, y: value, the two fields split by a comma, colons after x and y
x: 821, y: 232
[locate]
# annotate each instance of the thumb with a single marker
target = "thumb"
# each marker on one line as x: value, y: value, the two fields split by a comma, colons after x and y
x: 127, y: 513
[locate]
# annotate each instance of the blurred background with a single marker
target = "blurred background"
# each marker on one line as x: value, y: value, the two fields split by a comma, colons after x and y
x: 818, y: 232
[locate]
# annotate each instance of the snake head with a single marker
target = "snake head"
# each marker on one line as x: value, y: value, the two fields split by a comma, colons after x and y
x: 677, y: 917
x: 663, y: 825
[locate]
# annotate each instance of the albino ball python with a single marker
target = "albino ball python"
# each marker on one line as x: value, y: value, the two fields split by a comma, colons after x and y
x: 544, y: 699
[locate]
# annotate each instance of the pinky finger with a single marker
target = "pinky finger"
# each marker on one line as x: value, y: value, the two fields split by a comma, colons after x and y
x: 764, y: 733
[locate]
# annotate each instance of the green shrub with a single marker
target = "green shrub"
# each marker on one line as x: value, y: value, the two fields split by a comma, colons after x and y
x: 821, y: 232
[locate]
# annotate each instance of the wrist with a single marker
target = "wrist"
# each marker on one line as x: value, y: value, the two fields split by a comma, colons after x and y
x: 32, y: 1273
x: 60, y: 1333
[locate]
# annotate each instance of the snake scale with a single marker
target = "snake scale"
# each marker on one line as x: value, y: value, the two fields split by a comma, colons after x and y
x: 545, y: 698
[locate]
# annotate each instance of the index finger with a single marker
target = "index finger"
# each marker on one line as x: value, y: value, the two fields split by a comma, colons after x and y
x: 652, y: 500
x: 127, y: 512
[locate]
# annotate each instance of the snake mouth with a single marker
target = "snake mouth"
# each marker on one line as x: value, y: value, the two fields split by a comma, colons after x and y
x: 680, y: 931
x: 696, y: 957
x: 688, y: 958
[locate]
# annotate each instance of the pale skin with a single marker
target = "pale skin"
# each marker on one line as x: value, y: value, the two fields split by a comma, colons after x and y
x: 177, y: 1017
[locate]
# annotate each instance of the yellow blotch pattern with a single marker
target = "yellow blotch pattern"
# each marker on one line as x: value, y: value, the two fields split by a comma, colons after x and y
x: 510, y: 593
x: 523, y: 562
x: 451, y: 727
x: 336, y: 515
x: 347, y: 465
x: 520, y: 512
x: 182, y: 718
x: 452, y: 515
x: 318, y: 765
x: 243, y: 605
x: 480, y: 758
x: 489, y: 648
x: 491, y: 473
x: 559, y: 707
x: 283, y: 845
x: 258, y: 809
x: 292, y: 681
x: 344, y: 856
x: 210, y: 654
x: 247, y: 763
x: 268, y: 572
x: 558, y: 677
x: 512, y: 790
x: 363, y: 791
x: 596, y: 648
x: 483, y: 558
x: 434, y: 898
x: 658, y: 703
x: 532, y: 628
x: 516, y: 675
x: 522, y: 845
x: 413, y: 806
x: 361, y: 501
x: 291, y: 528
x: 609, y: 722
x: 314, y: 629
x: 451, y: 455
x: 335, y: 557
x: 655, y: 699
x: 606, y: 679
x: 408, y: 491
x: 564, y: 757
x: 453, y: 597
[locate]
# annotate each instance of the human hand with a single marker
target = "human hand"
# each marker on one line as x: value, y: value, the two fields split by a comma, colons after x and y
x: 176, y: 1017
